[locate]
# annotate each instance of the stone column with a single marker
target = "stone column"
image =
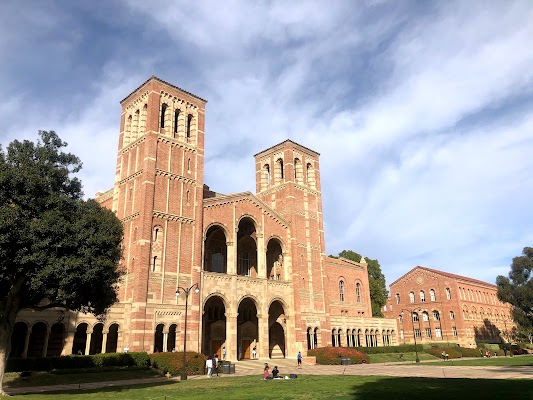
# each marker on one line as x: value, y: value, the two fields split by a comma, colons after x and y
x: 231, y: 250
x: 261, y: 256
x: 231, y: 335
x: 104, y: 341
x: 88, y: 343
x: 45, y: 344
x: 165, y: 341
x: 262, y: 349
x: 26, y: 344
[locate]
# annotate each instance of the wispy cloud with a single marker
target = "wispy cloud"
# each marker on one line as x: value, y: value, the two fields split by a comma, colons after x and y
x: 421, y: 111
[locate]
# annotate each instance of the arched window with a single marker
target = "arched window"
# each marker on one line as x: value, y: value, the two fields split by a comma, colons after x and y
x: 400, y: 319
x: 358, y: 292
x: 397, y: 298
x: 296, y: 162
x: 415, y: 317
x: 176, y: 116
x: 411, y: 297
x: 281, y: 169
x: 266, y: 168
x: 163, y: 112
x: 341, y: 290
x: 452, y: 315
x: 189, y: 119
x: 425, y: 316
x: 154, y: 266
x: 189, y: 165
x: 448, y: 294
x: 436, y: 315
x: 432, y: 295
x: 422, y: 296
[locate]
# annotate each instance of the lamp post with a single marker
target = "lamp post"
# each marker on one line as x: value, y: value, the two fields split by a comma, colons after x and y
x: 411, y: 311
x: 186, y: 292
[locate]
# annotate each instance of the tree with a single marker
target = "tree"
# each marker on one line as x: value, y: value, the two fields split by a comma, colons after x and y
x: 56, y: 249
x: 517, y: 290
x: 376, y: 281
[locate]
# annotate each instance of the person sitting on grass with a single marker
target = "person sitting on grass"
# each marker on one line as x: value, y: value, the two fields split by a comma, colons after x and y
x: 275, y: 372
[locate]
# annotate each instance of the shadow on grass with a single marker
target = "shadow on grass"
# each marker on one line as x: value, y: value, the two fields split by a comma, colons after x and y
x: 449, y: 389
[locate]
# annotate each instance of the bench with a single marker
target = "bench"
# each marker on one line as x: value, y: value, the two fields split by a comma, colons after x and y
x: 25, y: 375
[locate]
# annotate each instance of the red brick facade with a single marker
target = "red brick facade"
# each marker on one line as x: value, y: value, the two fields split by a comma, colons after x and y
x: 447, y: 307
x: 259, y: 260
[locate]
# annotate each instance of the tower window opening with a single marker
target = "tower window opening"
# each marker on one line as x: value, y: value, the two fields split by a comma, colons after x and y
x: 189, y: 119
x: 163, y: 112
x: 155, y: 263
x: 176, y: 116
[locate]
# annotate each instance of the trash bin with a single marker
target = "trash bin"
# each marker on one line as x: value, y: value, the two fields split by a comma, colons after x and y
x: 346, y: 361
x: 228, y: 368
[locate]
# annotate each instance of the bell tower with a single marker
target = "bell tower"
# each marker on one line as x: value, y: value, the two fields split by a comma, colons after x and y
x: 288, y: 180
x: 158, y: 195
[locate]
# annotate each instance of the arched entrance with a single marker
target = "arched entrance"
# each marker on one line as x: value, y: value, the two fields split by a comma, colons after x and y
x: 18, y: 338
x: 37, y: 338
x: 96, y: 339
x: 247, y: 329
x: 55, y: 342
x: 215, y: 258
x: 276, y: 330
x: 171, y: 341
x: 214, y: 326
x: 112, y: 339
x: 158, y: 338
x: 247, y: 248
x: 274, y: 259
x: 80, y: 339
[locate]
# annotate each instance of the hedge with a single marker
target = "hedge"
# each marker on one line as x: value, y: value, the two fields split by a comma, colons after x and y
x: 437, y: 352
x: 466, y: 352
x: 173, y: 363
x: 403, y: 348
x: 139, y: 359
x: 332, y: 355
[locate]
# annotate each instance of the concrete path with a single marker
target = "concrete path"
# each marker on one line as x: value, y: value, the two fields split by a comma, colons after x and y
x: 286, y: 367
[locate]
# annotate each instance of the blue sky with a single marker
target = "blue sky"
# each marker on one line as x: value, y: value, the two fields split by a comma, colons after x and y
x: 422, y: 111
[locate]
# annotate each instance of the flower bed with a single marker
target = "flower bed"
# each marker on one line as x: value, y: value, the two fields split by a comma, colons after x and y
x: 333, y: 355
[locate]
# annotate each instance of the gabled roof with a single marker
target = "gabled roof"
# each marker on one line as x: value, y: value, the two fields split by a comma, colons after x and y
x: 155, y: 78
x: 286, y: 142
x: 220, y: 198
x: 449, y: 275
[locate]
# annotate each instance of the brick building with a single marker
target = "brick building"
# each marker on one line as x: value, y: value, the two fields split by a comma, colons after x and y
x: 258, y: 260
x: 440, y: 306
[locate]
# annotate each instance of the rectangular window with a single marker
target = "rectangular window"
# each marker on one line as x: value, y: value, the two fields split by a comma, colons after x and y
x: 402, y: 334
x: 454, y: 329
x: 418, y: 335
x: 438, y: 332
x: 428, y: 333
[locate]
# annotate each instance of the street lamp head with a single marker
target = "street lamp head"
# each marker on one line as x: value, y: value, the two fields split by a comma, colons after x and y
x: 177, y: 293
x: 197, y: 290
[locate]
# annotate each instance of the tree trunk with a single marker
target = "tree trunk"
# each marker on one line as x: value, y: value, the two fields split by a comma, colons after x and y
x: 9, y: 309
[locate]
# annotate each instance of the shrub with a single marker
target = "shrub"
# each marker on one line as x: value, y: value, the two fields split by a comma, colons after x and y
x: 173, y: 362
x: 76, y: 362
x: 437, y: 352
x: 403, y: 348
x: 332, y: 355
x: 466, y: 352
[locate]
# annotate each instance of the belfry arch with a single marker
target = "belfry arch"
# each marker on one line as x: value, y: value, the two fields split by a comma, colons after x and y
x: 274, y: 259
x: 247, y: 328
x: 215, y: 250
x: 247, y: 248
x: 277, y: 328
x: 214, y: 326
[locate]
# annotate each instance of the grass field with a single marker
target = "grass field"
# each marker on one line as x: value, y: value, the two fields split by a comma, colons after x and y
x: 311, y: 387
x: 494, y: 361
x: 395, y: 357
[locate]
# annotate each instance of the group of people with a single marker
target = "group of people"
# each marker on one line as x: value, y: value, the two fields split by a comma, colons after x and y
x: 212, y: 365
x: 275, y: 372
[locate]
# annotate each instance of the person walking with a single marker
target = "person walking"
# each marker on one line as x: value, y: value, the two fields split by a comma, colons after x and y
x: 215, y: 363
x: 223, y: 353
x: 299, y: 358
x: 254, y: 352
x: 209, y: 366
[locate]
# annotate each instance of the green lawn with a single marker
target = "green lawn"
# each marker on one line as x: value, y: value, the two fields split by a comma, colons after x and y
x: 312, y: 387
x: 42, y: 378
x: 494, y: 361
x: 395, y: 357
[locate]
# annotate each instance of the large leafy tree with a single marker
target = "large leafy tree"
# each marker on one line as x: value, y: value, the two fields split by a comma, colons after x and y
x: 517, y: 290
x: 376, y: 281
x: 56, y: 249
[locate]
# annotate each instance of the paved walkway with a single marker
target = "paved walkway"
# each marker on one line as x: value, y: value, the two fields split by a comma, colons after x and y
x: 286, y: 367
